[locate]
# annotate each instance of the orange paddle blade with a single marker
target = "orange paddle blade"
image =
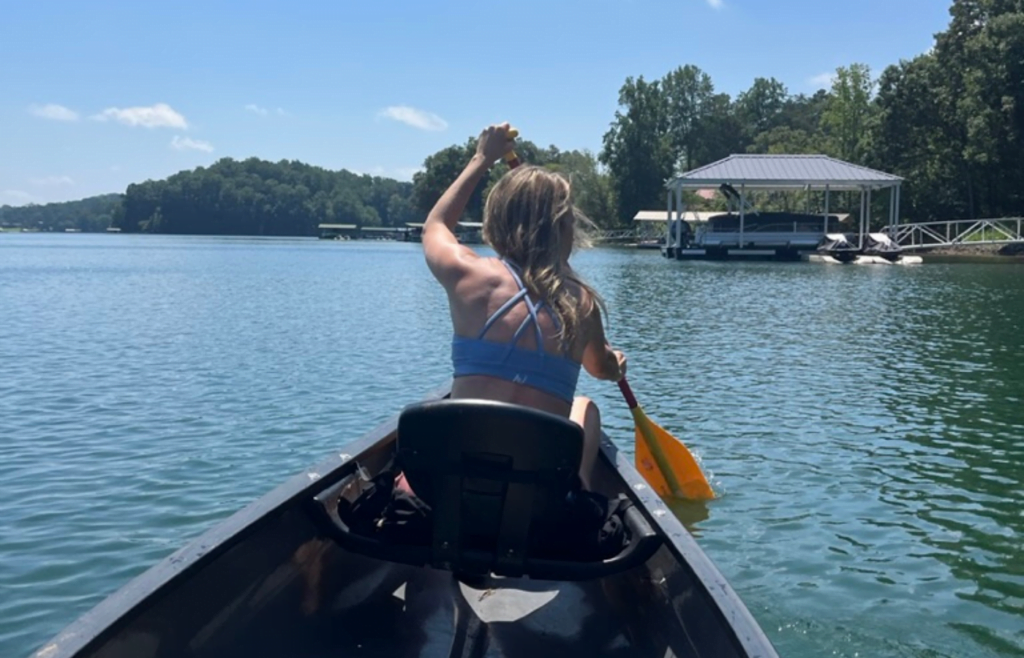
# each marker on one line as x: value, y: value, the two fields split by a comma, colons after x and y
x: 665, y: 462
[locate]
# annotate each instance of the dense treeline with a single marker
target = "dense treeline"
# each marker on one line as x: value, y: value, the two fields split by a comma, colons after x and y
x: 592, y: 189
x: 950, y: 121
x: 92, y: 214
x: 256, y: 197
x: 250, y: 197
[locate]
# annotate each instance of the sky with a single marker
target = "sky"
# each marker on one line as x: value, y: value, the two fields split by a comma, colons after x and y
x: 97, y: 95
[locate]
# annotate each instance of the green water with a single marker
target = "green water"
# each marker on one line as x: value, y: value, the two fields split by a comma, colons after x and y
x: 863, y: 425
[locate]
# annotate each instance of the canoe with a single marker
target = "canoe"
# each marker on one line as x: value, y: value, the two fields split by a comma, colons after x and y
x: 289, y: 576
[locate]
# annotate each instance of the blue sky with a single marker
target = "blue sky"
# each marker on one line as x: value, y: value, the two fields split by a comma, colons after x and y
x: 97, y: 95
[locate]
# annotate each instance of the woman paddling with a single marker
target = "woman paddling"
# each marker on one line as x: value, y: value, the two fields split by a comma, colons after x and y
x: 524, y: 322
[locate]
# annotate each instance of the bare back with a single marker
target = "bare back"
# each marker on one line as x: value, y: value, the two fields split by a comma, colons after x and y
x: 484, y: 287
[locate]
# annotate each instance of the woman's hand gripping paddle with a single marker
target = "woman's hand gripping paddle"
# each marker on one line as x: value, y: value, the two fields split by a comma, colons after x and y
x: 662, y: 459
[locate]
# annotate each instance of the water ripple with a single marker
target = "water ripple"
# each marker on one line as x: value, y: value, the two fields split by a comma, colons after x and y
x: 861, y: 425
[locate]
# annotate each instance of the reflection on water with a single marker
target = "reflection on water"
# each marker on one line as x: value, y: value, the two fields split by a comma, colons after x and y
x: 861, y: 425
x: 691, y: 513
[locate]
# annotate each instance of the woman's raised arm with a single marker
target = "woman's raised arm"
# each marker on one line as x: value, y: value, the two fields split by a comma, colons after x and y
x: 447, y: 258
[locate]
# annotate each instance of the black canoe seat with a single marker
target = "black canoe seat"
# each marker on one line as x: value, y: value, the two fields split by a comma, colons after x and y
x: 493, y: 474
x: 496, y: 476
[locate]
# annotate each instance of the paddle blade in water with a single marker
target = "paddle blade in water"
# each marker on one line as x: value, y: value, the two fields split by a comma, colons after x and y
x: 665, y: 462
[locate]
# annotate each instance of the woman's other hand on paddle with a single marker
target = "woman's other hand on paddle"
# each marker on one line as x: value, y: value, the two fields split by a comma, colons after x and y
x: 494, y: 143
x: 611, y: 365
x: 620, y: 362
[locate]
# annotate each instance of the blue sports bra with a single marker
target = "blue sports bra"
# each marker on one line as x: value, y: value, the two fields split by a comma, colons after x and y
x: 553, y: 374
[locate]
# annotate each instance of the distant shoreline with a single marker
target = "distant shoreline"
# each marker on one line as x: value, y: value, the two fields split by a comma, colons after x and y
x: 979, y: 253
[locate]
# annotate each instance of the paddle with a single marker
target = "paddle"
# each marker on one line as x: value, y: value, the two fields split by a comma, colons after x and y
x: 662, y: 459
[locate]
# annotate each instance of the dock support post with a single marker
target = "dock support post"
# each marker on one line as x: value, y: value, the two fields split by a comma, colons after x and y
x: 743, y: 212
x: 899, y: 193
x: 826, y: 210
x: 860, y: 222
x: 670, y: 232
x: 867, y: 218
x: 680, y: 211
x: 892, y: 192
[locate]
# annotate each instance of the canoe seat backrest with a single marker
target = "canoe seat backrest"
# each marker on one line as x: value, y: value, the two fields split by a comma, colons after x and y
x: 494, y: 474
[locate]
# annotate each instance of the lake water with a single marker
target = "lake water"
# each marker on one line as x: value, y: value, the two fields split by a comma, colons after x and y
x: 863, y: 425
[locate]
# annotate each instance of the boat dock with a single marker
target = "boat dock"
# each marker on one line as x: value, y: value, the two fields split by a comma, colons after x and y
x: 744, y: 232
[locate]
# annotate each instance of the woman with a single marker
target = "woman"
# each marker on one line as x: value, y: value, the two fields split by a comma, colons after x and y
x: 524, y: 322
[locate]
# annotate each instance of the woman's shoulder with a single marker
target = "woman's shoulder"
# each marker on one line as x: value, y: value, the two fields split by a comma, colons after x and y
x: 486, y: 275
x: 583, y: 295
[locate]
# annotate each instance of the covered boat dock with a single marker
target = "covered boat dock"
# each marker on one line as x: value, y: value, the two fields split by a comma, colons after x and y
x: 742, y: 231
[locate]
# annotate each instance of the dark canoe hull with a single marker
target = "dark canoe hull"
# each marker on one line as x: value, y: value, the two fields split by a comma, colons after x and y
x: 267, y: 583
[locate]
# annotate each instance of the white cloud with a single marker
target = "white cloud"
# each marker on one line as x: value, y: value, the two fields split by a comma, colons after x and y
x: 52, y: 181
x: 413, y: 117
x: 160, y: 115
x: 53, y: 112
x: 264, y: 111
x: 716, y: 4
x: 822, y: 80
x: 15, y: 197
x: 179, y: 143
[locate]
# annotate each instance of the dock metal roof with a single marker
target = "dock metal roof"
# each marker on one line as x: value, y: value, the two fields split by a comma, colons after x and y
x: 782, y: 172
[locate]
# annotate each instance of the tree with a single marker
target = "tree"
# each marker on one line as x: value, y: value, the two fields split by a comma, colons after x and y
x: 637, y: 148
x: 401, y: 210
x: 688, y: 94
x: 911, y: 141
x: 760, y: 107
x: 439, y: 171
x: 847, y: 115
x: 784, y: 140
x: 802, y: 112
x: 983, y: 106
x: 722, y: 132
x: 591, y: 189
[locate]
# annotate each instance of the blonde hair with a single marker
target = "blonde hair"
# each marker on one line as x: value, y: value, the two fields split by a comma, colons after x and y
x: 530, y: 220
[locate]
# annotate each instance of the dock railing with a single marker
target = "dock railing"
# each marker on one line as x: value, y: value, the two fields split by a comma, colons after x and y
x: 933, y: 235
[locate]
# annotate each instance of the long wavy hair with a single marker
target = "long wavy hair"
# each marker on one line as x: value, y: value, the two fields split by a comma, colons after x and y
x: 529, y: 219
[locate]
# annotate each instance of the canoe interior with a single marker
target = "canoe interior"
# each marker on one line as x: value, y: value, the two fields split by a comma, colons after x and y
x: 267, y: 583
